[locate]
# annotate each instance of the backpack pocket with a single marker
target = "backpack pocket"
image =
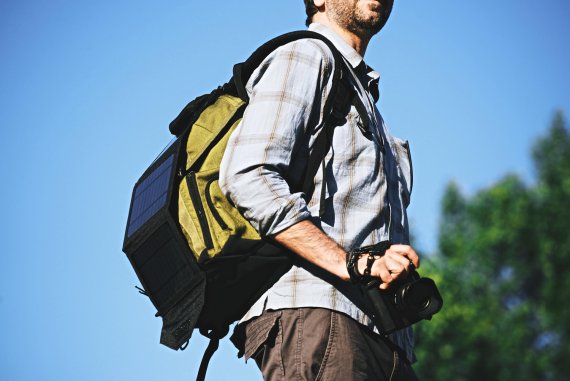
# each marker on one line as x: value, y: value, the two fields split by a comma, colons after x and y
x: 210, y: 223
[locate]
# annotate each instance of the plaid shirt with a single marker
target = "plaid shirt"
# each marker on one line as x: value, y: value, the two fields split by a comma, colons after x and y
x: 368, y: 179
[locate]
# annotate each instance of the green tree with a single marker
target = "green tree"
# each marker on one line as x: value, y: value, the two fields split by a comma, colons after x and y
x: 500, y: 268
x: 552, y: 157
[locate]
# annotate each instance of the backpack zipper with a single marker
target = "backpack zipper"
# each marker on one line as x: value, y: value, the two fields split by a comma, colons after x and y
x: 213, y: 209
x: 200, y: 212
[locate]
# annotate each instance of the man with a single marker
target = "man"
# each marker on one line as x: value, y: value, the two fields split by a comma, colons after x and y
x: 313, y: 323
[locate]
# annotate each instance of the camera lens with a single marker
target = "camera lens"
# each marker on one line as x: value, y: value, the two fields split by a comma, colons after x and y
x: 416, y: 297
x: 415, y: 300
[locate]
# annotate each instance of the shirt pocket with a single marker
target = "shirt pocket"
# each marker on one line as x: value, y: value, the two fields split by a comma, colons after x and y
x: 403, y: 158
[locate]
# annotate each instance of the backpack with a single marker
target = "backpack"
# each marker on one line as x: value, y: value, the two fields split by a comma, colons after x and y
x: 199, y: 261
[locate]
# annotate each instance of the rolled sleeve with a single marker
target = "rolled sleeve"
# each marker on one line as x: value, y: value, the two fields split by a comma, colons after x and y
x: 261, y: 162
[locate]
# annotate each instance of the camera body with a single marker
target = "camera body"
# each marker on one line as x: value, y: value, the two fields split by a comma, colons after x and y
x: 404, y: 303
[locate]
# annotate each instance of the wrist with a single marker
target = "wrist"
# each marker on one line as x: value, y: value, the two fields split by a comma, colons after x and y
x: 359, y: 266
x: 359, y: 262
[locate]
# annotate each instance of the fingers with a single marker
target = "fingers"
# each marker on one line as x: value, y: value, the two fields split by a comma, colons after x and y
x: 394, y: 264
x: 386, y: 278
x: 397, y: 264
x: 389, y: 268
x: 407, y: 252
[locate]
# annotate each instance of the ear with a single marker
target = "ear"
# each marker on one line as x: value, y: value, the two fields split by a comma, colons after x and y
x: 319, y: 4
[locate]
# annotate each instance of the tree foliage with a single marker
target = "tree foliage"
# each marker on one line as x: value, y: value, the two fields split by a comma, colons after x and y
x: 501, y: 267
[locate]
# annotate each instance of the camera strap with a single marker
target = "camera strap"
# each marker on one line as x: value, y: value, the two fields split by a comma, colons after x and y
x: 374, y: 252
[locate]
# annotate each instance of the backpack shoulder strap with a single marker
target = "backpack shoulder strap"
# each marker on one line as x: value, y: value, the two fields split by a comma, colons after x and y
x: 242, y: 71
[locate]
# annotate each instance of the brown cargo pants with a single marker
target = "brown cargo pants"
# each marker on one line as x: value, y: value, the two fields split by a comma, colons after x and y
x: 319, y: 344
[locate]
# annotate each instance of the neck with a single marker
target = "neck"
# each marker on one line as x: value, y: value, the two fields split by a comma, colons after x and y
x: 357, y: 42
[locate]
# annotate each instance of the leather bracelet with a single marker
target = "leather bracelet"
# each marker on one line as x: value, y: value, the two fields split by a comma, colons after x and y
x: 373, y: 252
x: 352, y: 258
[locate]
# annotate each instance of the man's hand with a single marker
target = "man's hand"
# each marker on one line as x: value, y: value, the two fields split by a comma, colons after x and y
x: 394, y: 264
x: 312, y: 244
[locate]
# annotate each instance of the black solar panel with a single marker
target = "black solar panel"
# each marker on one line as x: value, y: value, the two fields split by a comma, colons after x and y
x: 150, y: 195
x: 158, y: 251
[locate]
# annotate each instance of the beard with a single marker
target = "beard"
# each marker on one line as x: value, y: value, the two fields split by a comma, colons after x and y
x: 362, y: 22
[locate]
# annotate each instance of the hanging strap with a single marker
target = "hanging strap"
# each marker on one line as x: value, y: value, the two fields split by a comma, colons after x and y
x: 212, y: 347
x: 215, y: 336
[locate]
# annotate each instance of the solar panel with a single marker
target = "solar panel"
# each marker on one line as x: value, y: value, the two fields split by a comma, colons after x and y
x: 158, y: 251
x: 150, y: 195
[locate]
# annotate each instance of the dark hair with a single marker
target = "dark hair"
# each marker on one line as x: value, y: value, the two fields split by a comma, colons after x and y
x: 310, y: 9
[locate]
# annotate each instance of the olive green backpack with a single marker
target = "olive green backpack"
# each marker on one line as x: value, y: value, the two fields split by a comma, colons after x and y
x: 198, y: 259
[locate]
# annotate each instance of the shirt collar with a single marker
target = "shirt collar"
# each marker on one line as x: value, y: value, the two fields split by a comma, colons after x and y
x: 354, y: 59
x: 346, y: 50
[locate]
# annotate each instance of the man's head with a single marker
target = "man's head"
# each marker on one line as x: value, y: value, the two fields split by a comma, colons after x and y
x: 361, y: 17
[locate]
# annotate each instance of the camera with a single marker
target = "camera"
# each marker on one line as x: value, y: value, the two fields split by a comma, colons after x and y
x: 404, y: 303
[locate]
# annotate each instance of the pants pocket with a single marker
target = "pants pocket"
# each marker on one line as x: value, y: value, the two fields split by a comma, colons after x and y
x: 252, y: 336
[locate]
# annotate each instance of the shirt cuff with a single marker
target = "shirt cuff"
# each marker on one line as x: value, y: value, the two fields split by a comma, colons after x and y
x: 290, y: 213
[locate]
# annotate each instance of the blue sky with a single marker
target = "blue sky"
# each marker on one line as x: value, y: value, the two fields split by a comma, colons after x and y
x: 87, y: 90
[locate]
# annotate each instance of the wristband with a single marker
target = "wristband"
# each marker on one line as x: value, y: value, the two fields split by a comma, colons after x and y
x: 373, y: 252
